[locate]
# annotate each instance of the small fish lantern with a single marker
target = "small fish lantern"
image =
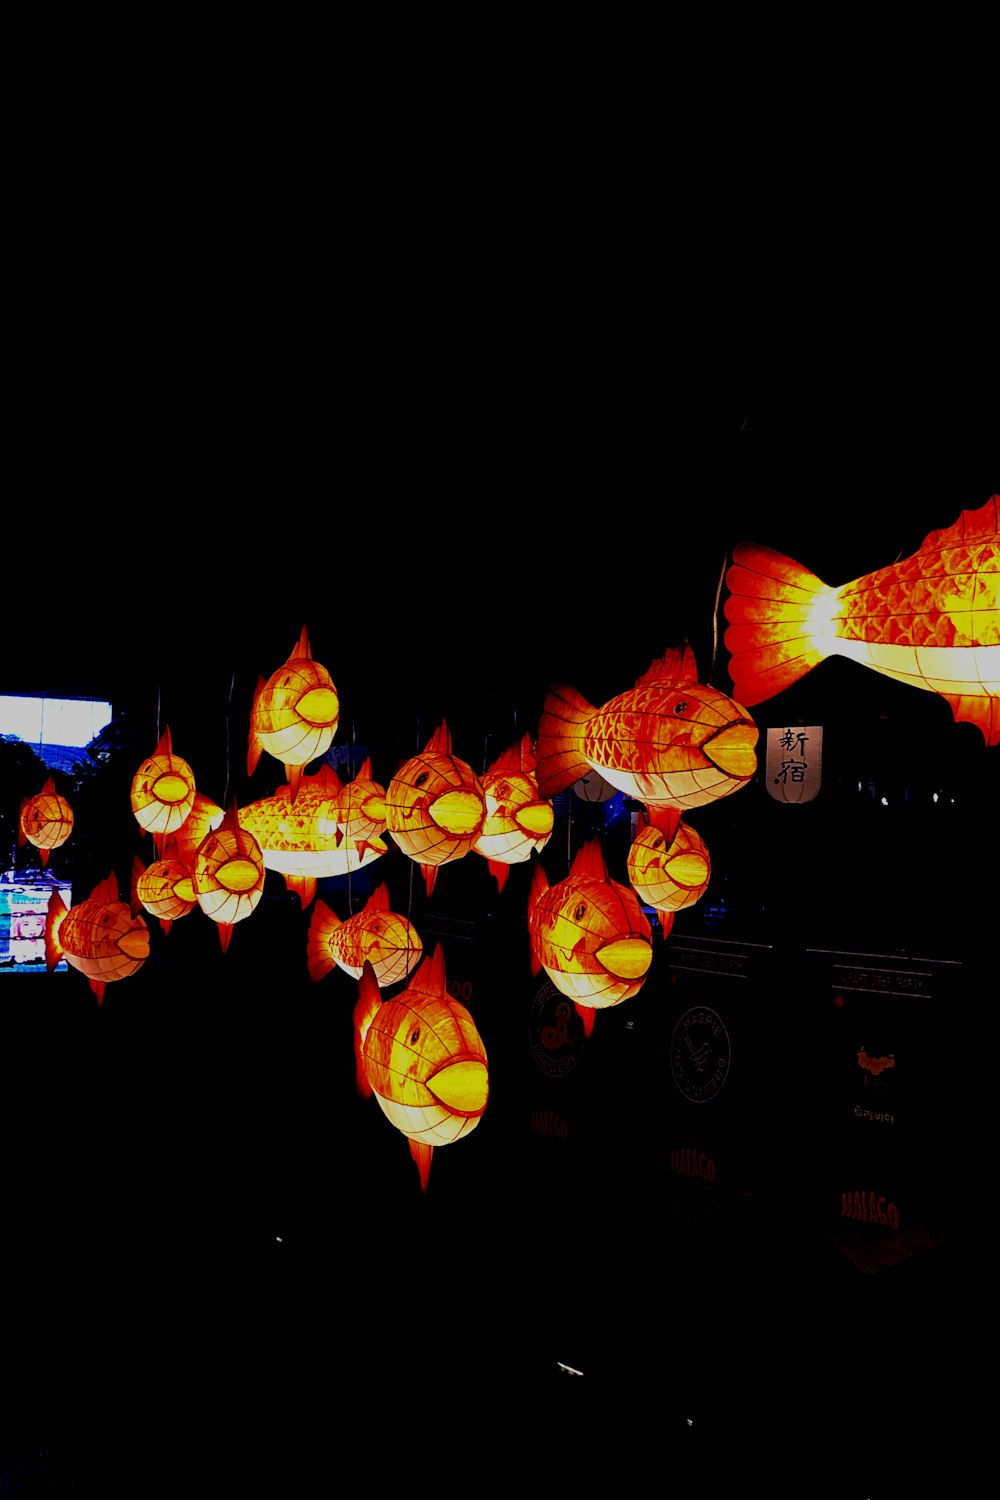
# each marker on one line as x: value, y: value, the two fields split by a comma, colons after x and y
x: 931, y: 621
x: 668, y: 864
x: 376, y: 933
x: 99, y: 936
x: 589, y: 934
x: 163, y: 791
x: 359, y: 807
x: 165, y: 889
x: 46, y: 820
x: 294, y: 715
x: 518, y: 822
x: 422, y: 1057
x: 435, y: 806
x: 670, y: 740
x: 228, y: 874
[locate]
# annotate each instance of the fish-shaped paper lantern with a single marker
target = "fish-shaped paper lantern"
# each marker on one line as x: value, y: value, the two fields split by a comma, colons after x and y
x: 589, y: 933
x: 376, y: 933
x: 358, y: 808
x: 932, y: 620
x: 302, y: 839
x: 518, y: 822
x: 670, y: 740
x: 668, y: 864
x: 99, y: 936
x: 45, y: 820
x: 294, y: 715
x: 228, y: 874
x: 162, y: 792
x: 165, y: 889
x: 422, y: 1057
x: 435, y: 806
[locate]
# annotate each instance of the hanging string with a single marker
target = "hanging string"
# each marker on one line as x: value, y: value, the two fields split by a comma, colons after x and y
x: 715, y: 615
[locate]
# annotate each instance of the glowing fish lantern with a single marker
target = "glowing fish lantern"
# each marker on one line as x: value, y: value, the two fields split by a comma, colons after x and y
x: 358, y: 809
x: 385, y: 938
x: 518, y: 823
x: 932, y: 620
x: 294, y: 715
x: 165, y: 889
x: 435, y: 806
x: 589, y: 933
x: 162, y: 792
x: 668, y: 864
x: 45, y: 820
x: 302, y: 839
x: 228, y: 875
x: 422, y: 1057
x: 671, y: 740
x: 99, y: 936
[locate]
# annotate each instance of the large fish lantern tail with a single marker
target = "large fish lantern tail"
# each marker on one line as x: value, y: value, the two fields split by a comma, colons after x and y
x: 931, y: 621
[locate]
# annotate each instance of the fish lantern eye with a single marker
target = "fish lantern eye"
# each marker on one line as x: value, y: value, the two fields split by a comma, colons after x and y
x: 681, y: 707
x: 659, y: 842
x: 422, y: 778
x: 578, y: 914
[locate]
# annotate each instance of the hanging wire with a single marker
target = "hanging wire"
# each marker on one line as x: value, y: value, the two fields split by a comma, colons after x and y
x: 715, y: 614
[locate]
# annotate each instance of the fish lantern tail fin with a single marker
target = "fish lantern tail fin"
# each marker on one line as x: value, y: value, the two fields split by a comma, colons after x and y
x: 559, y: 759
x: 322, y: 925
x: 43, y: 855
x: 98, y: 986
x: 430, y: 878
x: 254, y: 744
x: 775, y: 608
x: 57, y: 913
x: 588, y: 1016
x: 225, y: 933
x: 166, y: 923
x: 666, y: 922
x: 422, y: 1154
x: 500, y: 872
x: 303, y: 886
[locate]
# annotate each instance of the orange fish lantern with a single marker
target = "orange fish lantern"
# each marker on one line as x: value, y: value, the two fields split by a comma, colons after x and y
x: 45, y: 820
x: 422, y: 1057
x: 162, y: 792
x: 358, y: 809
x: 518, y: 822
x: 294, y: 715
x: 435, y: 806
x: 932, y: 620
x: 589, y: 934
x: 376, y: 933
x: 99, y: 936
x: 302, y: 839
x: 671, y: 740
x: 668, y: 864
x: 165, y: 889
x: 228, y: 874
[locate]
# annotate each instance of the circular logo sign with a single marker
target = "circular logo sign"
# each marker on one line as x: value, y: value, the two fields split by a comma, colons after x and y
x: 555, y: 1031
x: 700, y: 1054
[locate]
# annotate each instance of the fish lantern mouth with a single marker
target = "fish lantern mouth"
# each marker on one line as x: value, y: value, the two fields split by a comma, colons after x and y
x: 688, y: 870
x: 238, y: 874
x: 171, y: 788
x: 319, y: 707
x: 135, y: 943
x: 462, y: 1086
x: 457, y: 812
x: 626, y: 958
x: 733, y: 749
x: 538, y: 818
x: 374, y: 808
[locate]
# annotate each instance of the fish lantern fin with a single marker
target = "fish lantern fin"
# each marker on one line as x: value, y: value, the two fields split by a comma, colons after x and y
x: 294, y: 774
x: 106, y: 889
x: 43, y: 855
x: 588, y: 1016
x: 379, y: 899
x: 677, y: 666
x: 422, y: 1154
x: 166, y: 923
x: 539, y: 885
x: 666, y: 922
x: 138, y: 868
x: 971, y: 708
x: 499, y: 871
x: 589, y: 861
x: 667, y: 819
x: 322, y: 925
x: 57, y: 913
x: 225, y: 933
x: 303, y: 886
x: 365, y: 774
x: 301, y: 647
x: 158, y: 844
x: 98, y: 987
x: 254, y: 743
x: 430, y: 877
x: 368, y: 1001
x: 559, y: 755
x: 440, y: 741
